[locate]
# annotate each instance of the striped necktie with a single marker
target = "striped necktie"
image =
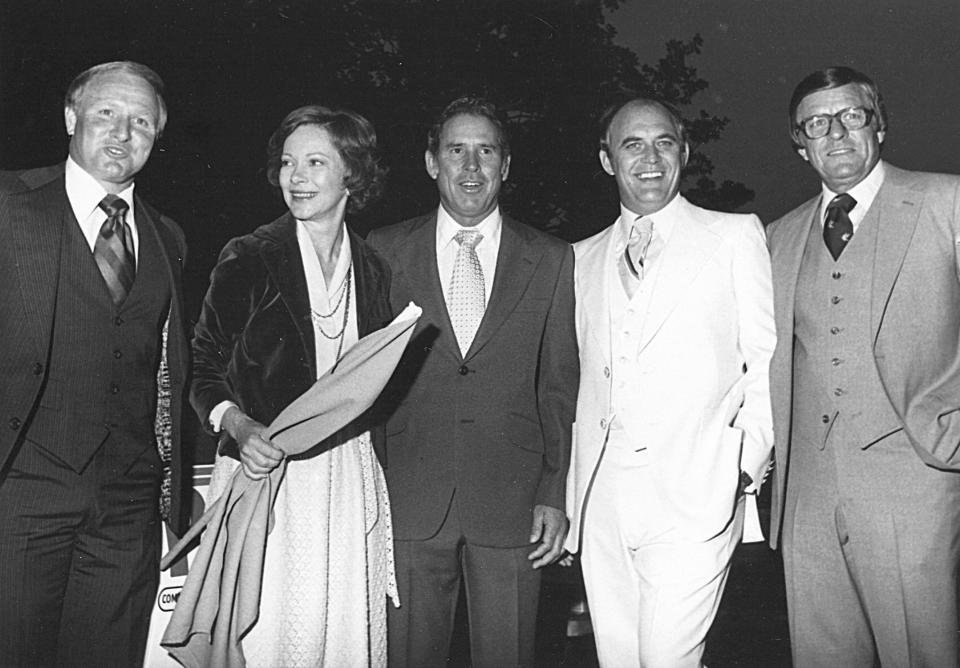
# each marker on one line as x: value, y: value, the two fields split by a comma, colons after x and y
x: 634, y: 254
x: 113, y: 249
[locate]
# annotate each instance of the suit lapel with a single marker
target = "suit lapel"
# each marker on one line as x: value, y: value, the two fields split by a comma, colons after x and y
x: 691, y: 245
x: 594, y: 286
x: 787, y: 254
x: 417, y: 266
x: 516, y: 261
x: 148, y: 222
x: 898, y: 211
x: 36, y: 223
x: 284, y: 264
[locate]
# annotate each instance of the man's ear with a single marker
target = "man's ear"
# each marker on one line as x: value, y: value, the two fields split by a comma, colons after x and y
x: 605, y: 162
x: 430, y: 162
x: 802, y: 152
x: 69, y: 120
x: 686, y: 155
x: 505, y: 168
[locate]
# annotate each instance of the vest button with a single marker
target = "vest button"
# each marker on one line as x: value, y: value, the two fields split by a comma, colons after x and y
x: 836, y: 274
x: 835, y: 330
x: 838, y: 392
x: 824, y: 419
x: 15, y: 423
x: 463, y: 370
x: 606, y: 372
x: 117, y: 354
x: 114, y: 389
x: 118, y: 321
x: 836, y: 361
x: 37, y: 368
x: 603, y: 423
x: 834, y: 300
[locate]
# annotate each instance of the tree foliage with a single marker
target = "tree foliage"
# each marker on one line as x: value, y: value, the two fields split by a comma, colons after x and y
x: 234, y: 68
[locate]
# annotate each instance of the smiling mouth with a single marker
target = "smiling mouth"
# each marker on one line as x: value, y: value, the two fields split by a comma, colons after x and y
x: 302, y: 195
x: 115, y: 151
x: 649, y: 176
x: 471, y: 186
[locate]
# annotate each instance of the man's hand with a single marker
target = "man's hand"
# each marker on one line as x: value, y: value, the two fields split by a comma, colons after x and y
x: 549, y: 530
x: 257, y: 454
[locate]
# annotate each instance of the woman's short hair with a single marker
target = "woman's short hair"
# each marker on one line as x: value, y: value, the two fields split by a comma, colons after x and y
x: 355, y: 140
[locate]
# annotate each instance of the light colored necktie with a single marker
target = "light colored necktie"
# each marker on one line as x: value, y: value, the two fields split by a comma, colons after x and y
x: 631, y: 264
x: 466, y: 301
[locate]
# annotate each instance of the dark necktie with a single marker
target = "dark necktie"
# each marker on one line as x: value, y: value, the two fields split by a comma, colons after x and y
x: 837, y: 228
x: 113, y: 250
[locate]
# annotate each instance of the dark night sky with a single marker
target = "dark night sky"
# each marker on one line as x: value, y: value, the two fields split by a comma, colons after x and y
x: 753, y: 54
x: 756, y: 51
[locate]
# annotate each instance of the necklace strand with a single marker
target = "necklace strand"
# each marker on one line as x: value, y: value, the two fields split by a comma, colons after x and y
x: 344, y: 296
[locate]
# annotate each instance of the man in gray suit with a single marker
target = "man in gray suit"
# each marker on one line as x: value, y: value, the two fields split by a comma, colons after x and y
x: 865, y: 385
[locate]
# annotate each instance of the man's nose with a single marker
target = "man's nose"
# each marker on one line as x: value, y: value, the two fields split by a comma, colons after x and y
x: 121, y: 128
x: 837, y: 130
x: 472, y: 161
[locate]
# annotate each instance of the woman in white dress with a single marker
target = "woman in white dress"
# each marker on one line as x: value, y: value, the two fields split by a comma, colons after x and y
x: 284, y: 303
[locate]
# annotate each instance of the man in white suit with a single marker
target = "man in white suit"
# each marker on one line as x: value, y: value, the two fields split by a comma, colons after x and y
x: 675, y: 327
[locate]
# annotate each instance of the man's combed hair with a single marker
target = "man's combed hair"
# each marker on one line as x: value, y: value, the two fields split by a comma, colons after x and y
x: 79, y: 83
x: 470, y: 106
x: 354, y: 138
x: 606, y: 118
x: 835, y: 77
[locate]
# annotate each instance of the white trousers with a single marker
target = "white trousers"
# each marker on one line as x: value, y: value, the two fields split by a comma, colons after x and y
x: 653, y: 593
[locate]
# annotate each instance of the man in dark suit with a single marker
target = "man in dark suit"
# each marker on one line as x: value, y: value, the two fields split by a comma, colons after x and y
x: 92, y: 369
x: 478, y: 446
x: 865, y: 387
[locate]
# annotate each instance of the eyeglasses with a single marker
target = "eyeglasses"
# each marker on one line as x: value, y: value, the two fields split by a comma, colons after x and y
x: 851, y: 118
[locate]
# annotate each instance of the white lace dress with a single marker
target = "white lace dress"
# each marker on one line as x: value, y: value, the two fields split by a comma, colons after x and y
x: 329, y: 567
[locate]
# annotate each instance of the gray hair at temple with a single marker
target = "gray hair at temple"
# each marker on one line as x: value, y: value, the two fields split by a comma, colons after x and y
x: 471, y: 106
x: 606, y: 118
x: 835, y: 77
x: 76, y: 87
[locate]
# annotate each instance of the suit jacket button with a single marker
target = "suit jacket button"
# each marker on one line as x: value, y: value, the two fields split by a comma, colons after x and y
x: 37, y: 368
x: 603, y: 423
x: 15, y: 423
x: 825, y: 419
x: 463, y: 370
x: 606, y: 372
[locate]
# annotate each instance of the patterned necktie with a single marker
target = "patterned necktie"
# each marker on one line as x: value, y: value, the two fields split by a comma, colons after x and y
x: 113, y: 250
x: 467, y: 301
x: 837, y: 228
x: 632, y: 261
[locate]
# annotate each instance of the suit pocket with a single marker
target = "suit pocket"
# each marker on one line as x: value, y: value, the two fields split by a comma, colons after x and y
x: 523, y: 432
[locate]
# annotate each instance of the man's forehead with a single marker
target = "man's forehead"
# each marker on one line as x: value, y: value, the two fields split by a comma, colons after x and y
x: 833, y: 99
x: 469, y: 127
x: 644, y: 117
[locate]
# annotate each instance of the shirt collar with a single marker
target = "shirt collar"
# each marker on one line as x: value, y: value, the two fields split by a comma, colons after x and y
x: 864, y: 192
x: 664, y: 220
x: 85, y: 193
x: 447, y: 227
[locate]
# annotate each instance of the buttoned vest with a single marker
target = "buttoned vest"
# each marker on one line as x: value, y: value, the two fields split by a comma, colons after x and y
x: 837, y: 393
x: 101, y: 385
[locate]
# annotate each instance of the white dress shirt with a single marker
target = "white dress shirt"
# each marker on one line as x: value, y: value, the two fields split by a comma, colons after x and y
x: 487, y: 249
x: 864, y: 193
x: 84, y: 195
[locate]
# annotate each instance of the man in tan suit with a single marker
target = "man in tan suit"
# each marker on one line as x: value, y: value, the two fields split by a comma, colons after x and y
x: 865, y: 384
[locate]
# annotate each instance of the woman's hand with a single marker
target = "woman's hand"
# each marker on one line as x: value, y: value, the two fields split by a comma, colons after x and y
x: 258, y: 455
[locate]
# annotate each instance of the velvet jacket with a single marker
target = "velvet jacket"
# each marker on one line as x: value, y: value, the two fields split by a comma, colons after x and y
x: 254, y: 341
